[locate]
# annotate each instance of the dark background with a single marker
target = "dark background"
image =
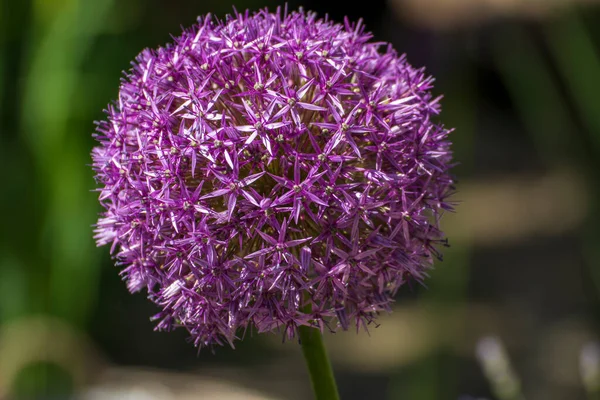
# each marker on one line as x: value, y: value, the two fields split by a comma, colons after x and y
x: 512, y: 312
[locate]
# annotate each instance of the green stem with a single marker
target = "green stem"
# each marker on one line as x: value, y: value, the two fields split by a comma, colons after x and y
x: 319, y: 368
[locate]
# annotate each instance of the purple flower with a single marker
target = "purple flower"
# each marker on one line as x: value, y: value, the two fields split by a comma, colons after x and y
x: 272, y: 171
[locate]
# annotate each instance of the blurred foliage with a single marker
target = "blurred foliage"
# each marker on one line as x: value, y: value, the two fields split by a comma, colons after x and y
x: 513, y: 88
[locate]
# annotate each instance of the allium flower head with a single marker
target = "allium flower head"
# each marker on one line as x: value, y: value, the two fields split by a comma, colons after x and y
x: 271, y: 171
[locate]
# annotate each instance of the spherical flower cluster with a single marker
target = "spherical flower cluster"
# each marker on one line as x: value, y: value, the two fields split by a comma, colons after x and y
x: 271, y: 171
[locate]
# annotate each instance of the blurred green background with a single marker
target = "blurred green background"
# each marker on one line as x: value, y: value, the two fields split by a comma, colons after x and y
x: 512, y: 313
